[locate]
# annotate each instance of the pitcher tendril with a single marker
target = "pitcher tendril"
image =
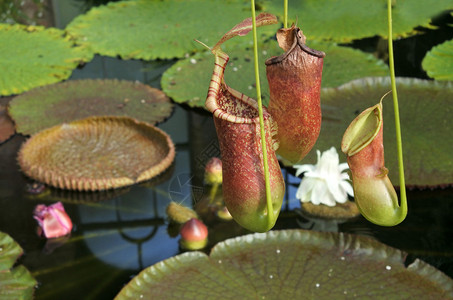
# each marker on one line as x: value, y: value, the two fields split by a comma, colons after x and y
x: 363, y: 144
x: 285, y: 13
x: 242, y: 125
x: 399, y: 142
x: 270, y: 209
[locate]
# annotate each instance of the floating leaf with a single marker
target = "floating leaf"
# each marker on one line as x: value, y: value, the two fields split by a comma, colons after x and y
x: 97, y: 153
x: 425, y: 124
x: 291, y: 264
x: 10, y: 251
x: 33, y: 56
x: 438, y: 62
x: 16, y: 283
x: 6, y: 125
x: 346, y: 20
x: 76, y: 99
x: 157, y: 29
x: 188, y: 79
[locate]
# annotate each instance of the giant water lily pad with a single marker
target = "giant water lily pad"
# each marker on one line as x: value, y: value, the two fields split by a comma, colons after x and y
x: 76, y: 99
x: 97, y: 153
x: 6, y: 125
x: 291, y: 264
x: 33, y: 56
x: 346, y: 20
x: 425, y: 112
x: 438, y: 62
x: 15, y: 283
x: 146, y: 29
x: 188, y: 80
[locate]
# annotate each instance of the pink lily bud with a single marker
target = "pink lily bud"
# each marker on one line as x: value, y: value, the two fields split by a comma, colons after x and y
x: 213, y: 171
x: 53, y: 220
x: 194, y: 235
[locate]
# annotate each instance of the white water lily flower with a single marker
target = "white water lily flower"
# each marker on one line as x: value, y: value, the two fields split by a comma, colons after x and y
x: 325, y: 182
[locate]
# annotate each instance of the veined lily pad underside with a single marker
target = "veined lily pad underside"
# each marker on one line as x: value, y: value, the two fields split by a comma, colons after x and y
x: 291, y: 264
x: 77, y: 99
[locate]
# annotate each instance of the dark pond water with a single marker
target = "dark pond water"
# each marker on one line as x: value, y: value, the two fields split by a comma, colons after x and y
x: 118, y: 233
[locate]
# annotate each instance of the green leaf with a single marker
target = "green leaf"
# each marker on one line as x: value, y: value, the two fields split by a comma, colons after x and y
x: 438, y: 62
x: 15, y: 283
x: 9, y: 251
x: 291, y: 264
x: 346, y: 20
x: 77, y: 99
x: 148, y: 30
x: 426, y: 129
x: 33, y: 56
x: 188, y: 79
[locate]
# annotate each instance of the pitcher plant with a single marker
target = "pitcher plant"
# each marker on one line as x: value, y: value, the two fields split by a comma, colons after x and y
x: 238, y: 129
x: 374, y: 193
x: 295, y: 87
x: 363, y: 144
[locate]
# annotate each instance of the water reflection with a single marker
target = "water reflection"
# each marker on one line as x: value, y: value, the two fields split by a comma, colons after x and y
x: 136, y: 223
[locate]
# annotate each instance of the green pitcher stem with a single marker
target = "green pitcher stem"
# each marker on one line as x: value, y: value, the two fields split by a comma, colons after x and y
x: 285, y: 13
x: 270, y: 209
x: 403, y: 202
x: 213, y: 193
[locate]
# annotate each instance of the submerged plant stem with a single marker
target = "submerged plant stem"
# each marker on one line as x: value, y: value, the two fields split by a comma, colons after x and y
x: 399, y: 144
x: 270, y: 210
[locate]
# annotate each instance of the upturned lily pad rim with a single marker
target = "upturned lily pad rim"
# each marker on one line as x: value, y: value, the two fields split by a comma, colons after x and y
x: 31, y: 165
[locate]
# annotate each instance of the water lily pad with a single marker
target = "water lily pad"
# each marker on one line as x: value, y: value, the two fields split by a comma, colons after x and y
x: 10, y: 251
x: 76, y: 99
x: 188, y: 80
x: 438, y: 62
x: 97, y: 153
x: 425, y: 112
x: 16, y: 283
x: 344, y: 21
x: 6, y: 125
x: 33, y: 56
x: 157, y: 29
x: 291, y: 264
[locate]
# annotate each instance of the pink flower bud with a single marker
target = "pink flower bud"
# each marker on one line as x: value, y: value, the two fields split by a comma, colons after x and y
x: 194, y: 235
x: 53, y: 220
x: 213, y: 171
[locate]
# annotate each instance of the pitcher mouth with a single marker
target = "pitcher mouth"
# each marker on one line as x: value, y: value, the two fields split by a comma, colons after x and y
x: 298, y: 40
x: 235, y: 107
